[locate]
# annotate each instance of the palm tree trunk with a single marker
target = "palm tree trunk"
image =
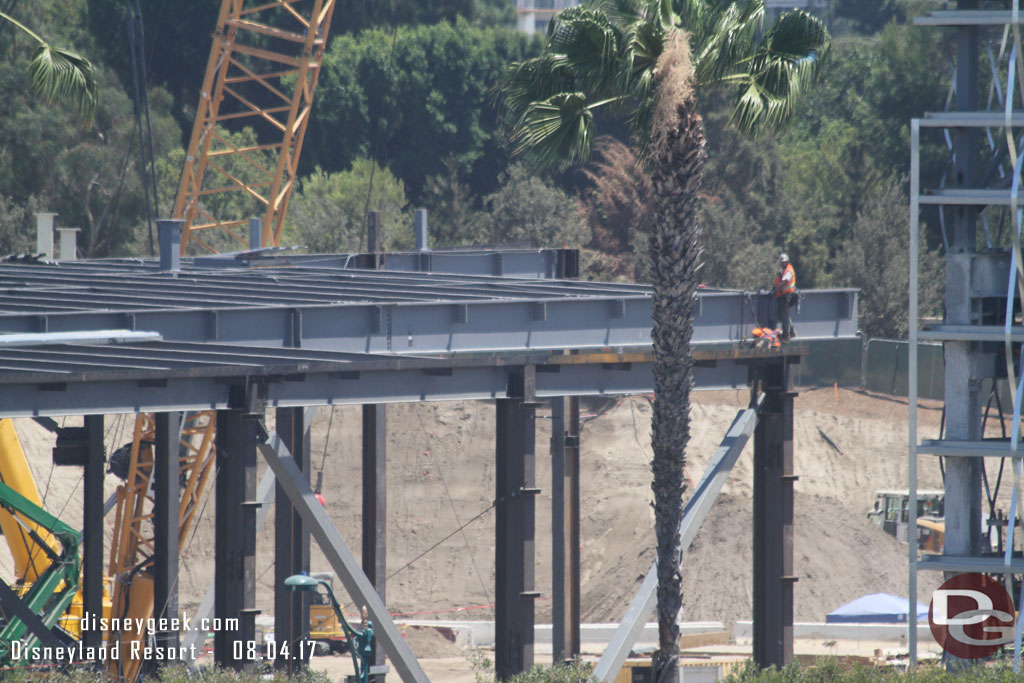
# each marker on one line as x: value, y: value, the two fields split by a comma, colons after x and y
x: 677, y: 162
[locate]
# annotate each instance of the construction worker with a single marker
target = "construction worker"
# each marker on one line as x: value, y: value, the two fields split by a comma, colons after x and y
x: 785, y: 296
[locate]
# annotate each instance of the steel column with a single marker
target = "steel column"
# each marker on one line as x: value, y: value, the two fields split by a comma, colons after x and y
x: 514, y: 538
x: 773, y: 517
x: 165, y: 524
x: 291, y: 543
x: 92, y: 552
x: 375, y: 522
x: 964, y: 370
x: 235, y: 536
x: 565, y: 528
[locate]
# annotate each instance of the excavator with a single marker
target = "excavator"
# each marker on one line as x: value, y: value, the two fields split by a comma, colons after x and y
x: 262, y: 73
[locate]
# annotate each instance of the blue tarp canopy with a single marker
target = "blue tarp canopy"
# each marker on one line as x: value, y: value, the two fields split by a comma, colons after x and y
x: 877, y: 608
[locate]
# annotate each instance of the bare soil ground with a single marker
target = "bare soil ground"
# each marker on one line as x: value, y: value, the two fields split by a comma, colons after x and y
x: 441, y: 476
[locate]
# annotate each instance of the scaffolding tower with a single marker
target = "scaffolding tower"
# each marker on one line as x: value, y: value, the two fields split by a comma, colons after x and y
x: 979, y: 212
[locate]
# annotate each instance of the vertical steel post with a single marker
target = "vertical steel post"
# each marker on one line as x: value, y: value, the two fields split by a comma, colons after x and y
x: 291, y: 544
x: 565, y: 528
x: 915, y: 192
x: 773, y: 517
x: 559, y: 588
x: 963, y: 369
x: 514, y: 538
x: 165, y: 523
x: 235, y: 538
x: 92, y: 515
x: 375, y: 522
x: 572, y: 476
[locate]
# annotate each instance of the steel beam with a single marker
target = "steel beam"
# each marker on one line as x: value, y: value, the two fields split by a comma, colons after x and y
x: 92, y: 516
x: 461, y: 322
x: 514, y: 538
x: 235, y: 536
x: 291, y: 544
x: 158, y: 379
x: 340, y: 558
x: 773, y: 517
x: 375, y: 521
x: 641, y: 607
x: 165, y: 525
x: 565, y: 528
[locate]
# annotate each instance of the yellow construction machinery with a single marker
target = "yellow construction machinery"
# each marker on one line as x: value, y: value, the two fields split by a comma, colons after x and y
x: 32, y: 544
x: 324, y: 626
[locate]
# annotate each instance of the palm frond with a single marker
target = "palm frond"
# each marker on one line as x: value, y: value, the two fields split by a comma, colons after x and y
x: 726, y: 38
x: 60, y: 74
x: 535, y: 79
x: 557, y: 132
x: 787, y: 62
x: 591, y: 44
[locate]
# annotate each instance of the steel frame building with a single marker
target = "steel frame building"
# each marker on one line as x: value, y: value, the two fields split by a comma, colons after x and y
x: 980, y: 332
x: 243, y: 333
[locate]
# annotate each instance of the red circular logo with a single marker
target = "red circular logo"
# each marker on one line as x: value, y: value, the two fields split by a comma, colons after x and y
x: 971, y: 616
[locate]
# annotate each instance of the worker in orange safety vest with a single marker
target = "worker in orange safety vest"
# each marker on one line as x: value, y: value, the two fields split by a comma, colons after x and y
x: 785, y: 296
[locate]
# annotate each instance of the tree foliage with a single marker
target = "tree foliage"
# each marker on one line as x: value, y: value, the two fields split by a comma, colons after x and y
x: 328, y: 214
x: 418, y: 107
x: 874, y: 259
x: 526, y: 209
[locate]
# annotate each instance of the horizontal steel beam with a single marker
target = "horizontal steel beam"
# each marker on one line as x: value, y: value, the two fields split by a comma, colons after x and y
x: 509, y: 324
x: 387, y: 380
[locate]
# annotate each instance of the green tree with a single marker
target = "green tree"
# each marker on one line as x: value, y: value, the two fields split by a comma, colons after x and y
x: 526, y: 209
x: 453, y: 219
x: 874, y: 259
x: 635, y: 57
x: 328, y: 213
x: 416, y: 108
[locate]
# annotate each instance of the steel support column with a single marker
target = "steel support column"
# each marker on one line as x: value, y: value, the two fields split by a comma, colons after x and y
x: 375, y: 521
x: 92, y: 546
x: 773, y: 516
x: 291, y: 543
x: 514, y: 538
x: 235, y: 536
x: 565, y: 528
x: 165, y: 524
x: 964, y: 368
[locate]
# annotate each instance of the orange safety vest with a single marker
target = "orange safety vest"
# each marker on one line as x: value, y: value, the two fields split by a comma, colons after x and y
x: 789, y: 285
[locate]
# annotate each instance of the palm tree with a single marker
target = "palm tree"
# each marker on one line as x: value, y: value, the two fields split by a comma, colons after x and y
x: 60, y: 74
x: 648, y: 61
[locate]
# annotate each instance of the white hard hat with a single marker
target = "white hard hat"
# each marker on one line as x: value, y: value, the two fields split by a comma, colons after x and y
x: 783, y: 258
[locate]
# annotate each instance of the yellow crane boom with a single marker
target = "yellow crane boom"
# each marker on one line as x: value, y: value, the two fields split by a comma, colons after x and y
x: 262, y: 72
